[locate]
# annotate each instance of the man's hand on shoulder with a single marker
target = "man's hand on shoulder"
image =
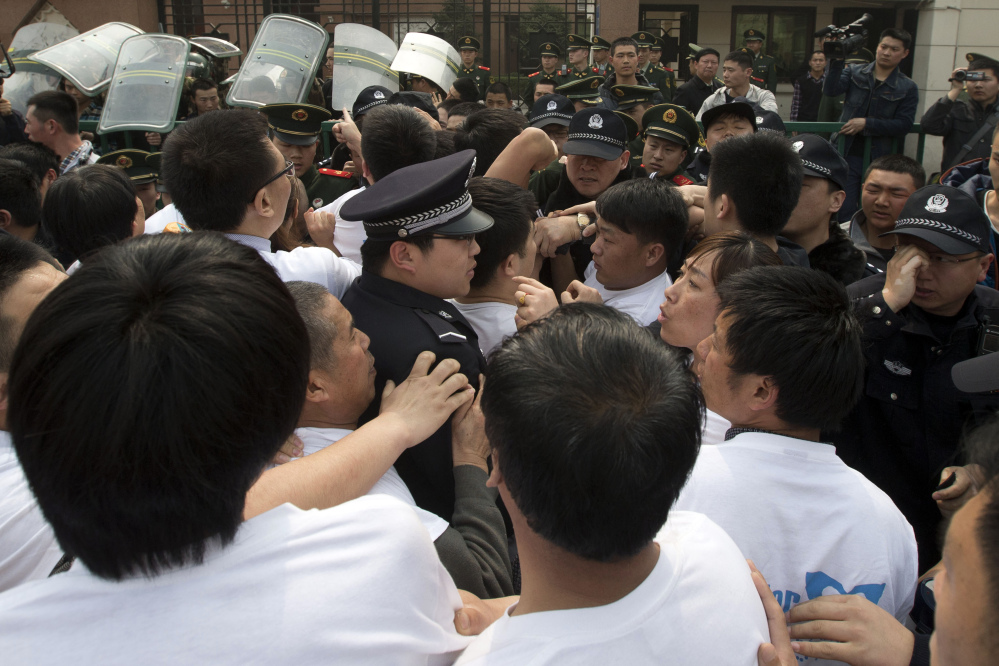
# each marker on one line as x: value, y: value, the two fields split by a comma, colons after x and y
x: 425, y: 400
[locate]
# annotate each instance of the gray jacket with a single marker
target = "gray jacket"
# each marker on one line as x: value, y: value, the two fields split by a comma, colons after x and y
x: 855, y: 229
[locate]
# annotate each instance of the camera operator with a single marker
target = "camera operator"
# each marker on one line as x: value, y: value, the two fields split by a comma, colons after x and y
x: 880, y: 103
x: 966, y: 126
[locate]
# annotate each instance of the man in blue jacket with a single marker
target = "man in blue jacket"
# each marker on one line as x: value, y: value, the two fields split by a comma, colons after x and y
x: 880, y: 103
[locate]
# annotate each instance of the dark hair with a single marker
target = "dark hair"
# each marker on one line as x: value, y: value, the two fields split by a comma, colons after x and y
x: 546, y: 82
x: 149, y: 392
x: 984, y: 63
x: 214, y: 165
x: 982, y: 451
x: 19, y: 193
x: 899, y: 34
x: 89, y: 208
x: 466, y: 89
x: 202, y: 84
x: 489, y: 132
x: 445, y: 144
x: 395, y: 136
x: 512, y: 209
x: 16, y: 258
x: 501, y: 88
x: 651, y: 210
x: 465, y: 109
x: 796, y: 325
x: 449, y: 104
x: 817, y: 51
x: 596, y: 426
x: 58, y: 106
x: 740, y: 58
x: 375, y: 253
x: 706, y: 51
x: 737, y: 251
x: 36, y: 156
x: 899, y: 164
x: 311, y: 300
x: 623, y: 41
x: 763, y: 198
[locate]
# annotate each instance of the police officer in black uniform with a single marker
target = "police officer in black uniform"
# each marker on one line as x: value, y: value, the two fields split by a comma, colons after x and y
x: 421, y: 229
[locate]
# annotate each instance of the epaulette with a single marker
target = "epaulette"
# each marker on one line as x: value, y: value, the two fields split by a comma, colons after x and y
x: 483, y: 68
x: 755, y: 78
x: 533, y: 74
x: 666, y: 68
x: 680, y: 179
x: 338, y: 174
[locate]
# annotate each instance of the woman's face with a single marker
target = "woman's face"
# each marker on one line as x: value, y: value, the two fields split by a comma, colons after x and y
x: 688, y: 313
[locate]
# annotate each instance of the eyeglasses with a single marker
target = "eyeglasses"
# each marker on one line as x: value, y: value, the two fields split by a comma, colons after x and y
x: 288, y: 170
x: 468, y: 238
x: 946, y: 259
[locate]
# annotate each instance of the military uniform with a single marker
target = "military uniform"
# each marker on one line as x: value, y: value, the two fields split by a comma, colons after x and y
x: 585, y: 91
x: 541, y: 75
x: 764, y: 67
x: 478, y: 73
x: 659, y: 75
x: 324, y: 186
x: 571, y: 74
x: 402, y: 322
x: 673, y: 123
x: 600, y: 44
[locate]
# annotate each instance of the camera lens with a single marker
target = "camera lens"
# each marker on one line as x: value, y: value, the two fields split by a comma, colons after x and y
x: 960, y: 75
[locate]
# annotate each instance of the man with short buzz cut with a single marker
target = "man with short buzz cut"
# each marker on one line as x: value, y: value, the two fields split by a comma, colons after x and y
x: 923, y: 315
x: 889, y: 182
x: 737, y: 70
x: 42, y: 161
x: 759, y: 202
x: 204, y: 97
x: 640, y: 229
x: 52, y: 121
x: 507, y: 250
x: 785, y: 361
x: 225, y: 175
x: 577, y: 408
x: 702, y: 84
x: 624, y: 56
x: 499, y: 96
x: 20, y: 200
x: 542, y: 88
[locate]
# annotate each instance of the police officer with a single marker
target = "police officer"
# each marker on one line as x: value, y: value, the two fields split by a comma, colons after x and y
x: 662, y: 77
x: 142, y: 175
x: 764, y: 67
x: 584, y: 93
x: 671, y: 135
x: 601, y: 55
x: 577, y: 51
x: 421, y: 228
x: 294, y: 130
x: 547, y: 71
x: 468, y: 48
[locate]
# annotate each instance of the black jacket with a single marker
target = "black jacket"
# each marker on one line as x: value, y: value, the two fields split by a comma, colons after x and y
x: 908, y: 423
x: 957, y: 123
x: 691, y: 95
x: 839, y: 257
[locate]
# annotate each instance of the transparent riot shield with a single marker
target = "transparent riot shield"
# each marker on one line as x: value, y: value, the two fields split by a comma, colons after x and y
x: 31, y: 77
x: 87, y: 60
x: 430, y: 57
x: 215, y: 47
x: 362, y: 58
x: 281, y: 64
x: 147, y: 85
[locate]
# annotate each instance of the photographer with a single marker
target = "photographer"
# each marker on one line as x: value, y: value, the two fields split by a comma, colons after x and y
x: 966, y: 126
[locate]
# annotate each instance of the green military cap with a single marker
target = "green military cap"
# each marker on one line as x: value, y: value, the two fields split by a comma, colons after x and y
x: 972, y: 57
x: 753, y: 35
x: 630, y: 125
x: 581, y: 90
x: 153, y: 161
x: 657, y: 44
x: 860, y: 57
x: 600, y: 43
x: 694, y: 49
x: 469, y: 43
x: 643, y: 38
x: 550, y: 49
x: 297, y: 124
x: 628, y: 96
x: 673, y: 123
x: 576, y: 42
x: 133, y: 163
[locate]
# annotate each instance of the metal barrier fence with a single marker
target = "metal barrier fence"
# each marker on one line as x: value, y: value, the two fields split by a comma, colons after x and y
x: 137, y: 139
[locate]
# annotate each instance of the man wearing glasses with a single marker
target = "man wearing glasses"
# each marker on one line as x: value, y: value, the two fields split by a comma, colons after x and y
x: 923, y: 315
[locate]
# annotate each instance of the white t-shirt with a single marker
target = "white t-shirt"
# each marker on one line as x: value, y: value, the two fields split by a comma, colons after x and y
x: 309, y: 264
x: 811, y: 524
x: 158, y: 221
x: 359, y: 583
x: 641, y: 303
x: 28, y: 547
x: 349, y: 235
x: 698, y: 606
x: 715, y: 427
x: 316, y: 439
x: 492, y: 322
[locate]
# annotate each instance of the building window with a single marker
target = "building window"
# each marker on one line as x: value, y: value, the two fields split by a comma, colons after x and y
x: 789, y: 35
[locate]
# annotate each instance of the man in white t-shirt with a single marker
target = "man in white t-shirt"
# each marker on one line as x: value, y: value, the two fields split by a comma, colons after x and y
x: 225, y: 175
x: 144, y: 472
x: 28, y: 549
x: 507, y: 250
x: 640, y: 226
x: 341, y: 386
x: 578, y: 406
x: 784, y: 362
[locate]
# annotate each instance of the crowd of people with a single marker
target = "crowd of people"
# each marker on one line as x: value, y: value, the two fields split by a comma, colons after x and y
x: 482, y: 388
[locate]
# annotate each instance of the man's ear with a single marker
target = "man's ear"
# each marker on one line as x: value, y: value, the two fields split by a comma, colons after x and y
x: 653, y: 253
x: 725, y: 208
x: 404, y: 256
x: 509, y: 266
x: 263, y: 203
x: 495, y: 476
x: 317, y: 388
x: 5, y: 219
x: 50, y: 176
x: 625, y: 157
x: 983, y: 265
x: 366, y: 172
x: 764, y: 395
x: 836, y: 202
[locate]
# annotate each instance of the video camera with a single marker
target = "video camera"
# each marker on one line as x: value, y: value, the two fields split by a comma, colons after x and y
x: 844, y: 41
x: 965, y: 75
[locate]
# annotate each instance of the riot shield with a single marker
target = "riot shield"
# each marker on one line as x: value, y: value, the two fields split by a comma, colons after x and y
x: 215, y: 47
x: 147, y: 84
x: 31, y: 77
x: 281, y: 64
x: 428, y: 56
x: 87, y: 60
x: 362, y: 57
